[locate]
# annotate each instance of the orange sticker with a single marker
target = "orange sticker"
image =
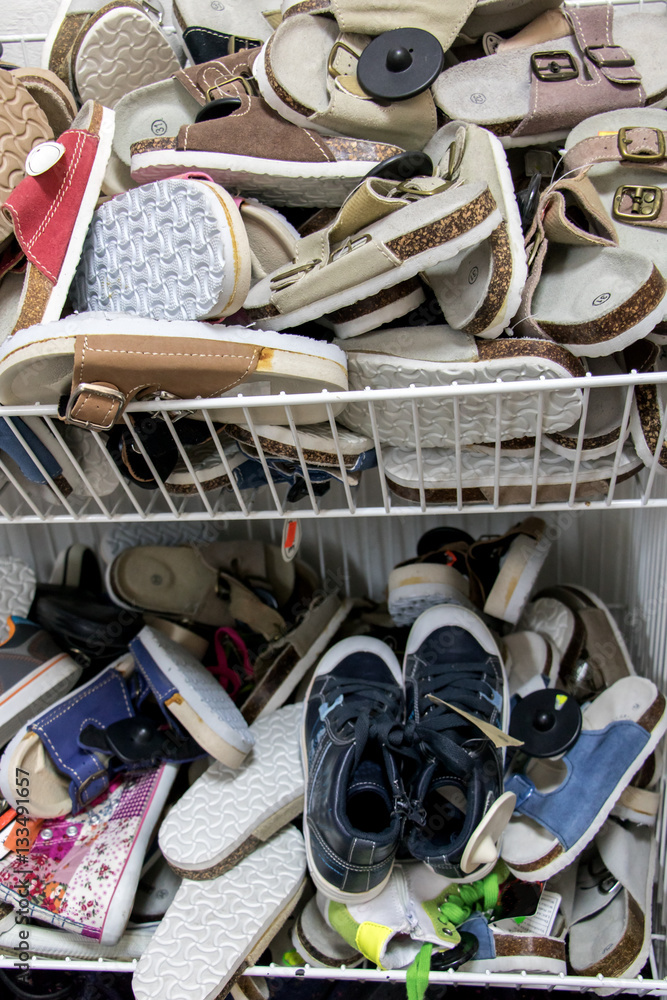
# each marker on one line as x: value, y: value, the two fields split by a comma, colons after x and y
x: 23, y: 834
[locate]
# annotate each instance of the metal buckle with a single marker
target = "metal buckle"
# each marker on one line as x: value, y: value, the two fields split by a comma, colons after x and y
x: 553, y: 71
x: 592, y: 52
x: 164, y: 396
x: 103, y: 392
x: 288, y: 278
x: 150, y: 9
x: 247, y: 82
x: 624, y: 142
x: 348, y: 246
x: 646, y: 203
x: 332, y: 56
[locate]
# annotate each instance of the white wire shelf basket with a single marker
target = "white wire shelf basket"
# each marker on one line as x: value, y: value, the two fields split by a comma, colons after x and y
x: 457, y: 478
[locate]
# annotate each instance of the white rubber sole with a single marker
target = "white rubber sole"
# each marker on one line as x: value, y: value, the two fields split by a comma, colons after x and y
x: 513, y: 586
x: 517, y: 963
x: 419, y: 586
x: 275, y: 182
x: 439, y: 416
x: 41, y: 689
x: 374, y: 318
x: 152, y: 230
x: 268, y: 790
x: 408, y: 268
x: 205, y: 696
x: 17, y: 590
x: 120, y: 52
x: 125, y: 536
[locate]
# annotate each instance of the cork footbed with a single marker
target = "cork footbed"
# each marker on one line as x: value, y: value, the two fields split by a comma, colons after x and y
x: 529, y: 849
x: 646, y: 416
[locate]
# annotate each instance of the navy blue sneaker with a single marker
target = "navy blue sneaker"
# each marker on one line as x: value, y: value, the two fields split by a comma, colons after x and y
x: 355, y: 803
x: 458, y: 808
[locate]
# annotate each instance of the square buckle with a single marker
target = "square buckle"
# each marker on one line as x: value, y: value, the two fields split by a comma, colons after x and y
x: 103, y: 392
x: 611, y: 62
x: 624, y: 143
x: 646, y: 203
x: 548, y: 66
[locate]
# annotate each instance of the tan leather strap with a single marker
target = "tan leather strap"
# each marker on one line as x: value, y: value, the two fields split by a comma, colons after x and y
x: 636, y: 145
x: 110, y: 370
x: 566, y: 86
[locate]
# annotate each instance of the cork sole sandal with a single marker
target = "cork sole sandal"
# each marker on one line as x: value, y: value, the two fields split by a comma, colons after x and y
x: 245, y: 808
x: 621, y: 729
x: 405, y: 233
x: 438, y: 356
x: 583, y: 290
x: 267, y: 885
x: 23, y: 125
x: 646, y: 417
x: 519, y: 569
x: 440, y: 475
x: 610, y: 932
x: 480, y: 291
x: 609, y: 146
x: 317, y: 443
x: 518, y: 95
x: 43, y: 363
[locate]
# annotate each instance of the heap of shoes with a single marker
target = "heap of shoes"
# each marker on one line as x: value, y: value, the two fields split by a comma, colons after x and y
x: 465, y: 192
x: 214, y: 761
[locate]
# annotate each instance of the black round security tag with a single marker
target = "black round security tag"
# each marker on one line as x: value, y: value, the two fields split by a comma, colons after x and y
x: 400, y: 64
x: 221, y: 108
x: 547, y: 722
x: 403, y: 166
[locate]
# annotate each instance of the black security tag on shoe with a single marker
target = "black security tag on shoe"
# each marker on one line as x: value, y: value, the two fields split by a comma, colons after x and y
x: 547, y: 722
x: 517, y: 899
x: 453, y: 958
x: 403, y: 166
x: 400, y: 64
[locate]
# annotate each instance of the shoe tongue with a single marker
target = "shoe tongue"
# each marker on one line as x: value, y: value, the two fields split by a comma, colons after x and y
x: 369, y: 777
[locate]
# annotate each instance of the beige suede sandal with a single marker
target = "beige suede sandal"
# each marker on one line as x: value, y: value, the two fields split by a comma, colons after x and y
x: 583, y: 290
x: 567, y: 65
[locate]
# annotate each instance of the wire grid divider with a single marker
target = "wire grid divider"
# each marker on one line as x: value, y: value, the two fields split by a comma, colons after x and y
x: 457, y: 490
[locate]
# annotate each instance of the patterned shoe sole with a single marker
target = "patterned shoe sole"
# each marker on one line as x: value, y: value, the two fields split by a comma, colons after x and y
x: 121, y: 51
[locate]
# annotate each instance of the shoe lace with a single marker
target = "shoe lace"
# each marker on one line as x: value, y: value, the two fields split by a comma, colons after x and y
x: 374, y: 713
x: 460, y: 903
x: 445, y: 731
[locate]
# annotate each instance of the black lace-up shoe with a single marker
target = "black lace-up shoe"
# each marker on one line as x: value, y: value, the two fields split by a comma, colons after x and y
x: 457, y: 712
x: 355, y: 803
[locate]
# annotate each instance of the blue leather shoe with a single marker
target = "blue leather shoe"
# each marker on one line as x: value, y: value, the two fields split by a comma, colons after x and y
x: 354, y: 808
x: 457, y: 712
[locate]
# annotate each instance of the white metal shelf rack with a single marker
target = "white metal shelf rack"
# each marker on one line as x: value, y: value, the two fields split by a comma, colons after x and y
x: 615, y: 543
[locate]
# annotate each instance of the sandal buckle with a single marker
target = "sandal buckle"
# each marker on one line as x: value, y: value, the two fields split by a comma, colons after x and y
x: 349, y: 245
x: 102, y: 392
x: 247, y: 82
x: 646, y: 203
x: 594, y: 53
x: 338, y: 44
x: 288, y: 278
x: 548, y: 66
x: 646, y: 157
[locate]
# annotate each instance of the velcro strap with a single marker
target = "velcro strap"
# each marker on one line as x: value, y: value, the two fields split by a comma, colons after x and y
x: 110, y: 370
